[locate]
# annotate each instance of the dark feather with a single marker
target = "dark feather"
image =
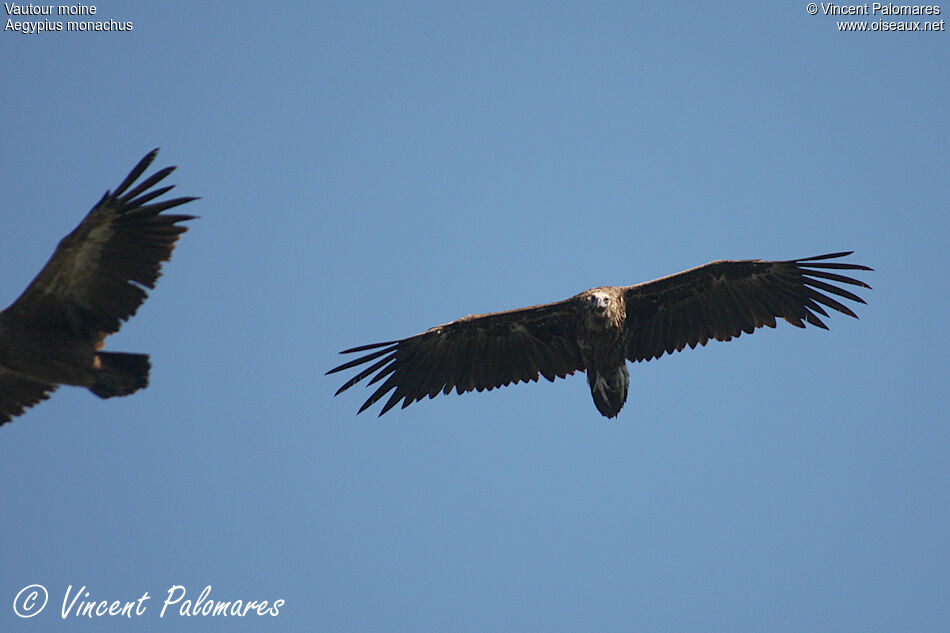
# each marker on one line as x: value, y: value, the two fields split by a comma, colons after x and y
x: 95, y: 279
x: 736, y: 297
x: 477, y: 352
x: 96, y: 276
x: 18, y: 393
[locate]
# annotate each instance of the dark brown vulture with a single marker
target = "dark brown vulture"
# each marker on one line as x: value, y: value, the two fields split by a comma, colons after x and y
x: 598, y: 330
x: 54, y: 332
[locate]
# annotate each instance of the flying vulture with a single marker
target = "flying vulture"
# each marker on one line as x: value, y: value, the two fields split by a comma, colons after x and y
x: 598, y: 330
x: 53, y: 333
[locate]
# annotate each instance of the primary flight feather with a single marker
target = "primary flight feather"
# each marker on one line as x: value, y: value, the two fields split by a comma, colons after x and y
x: 598, y: 330
x: 53, y: 333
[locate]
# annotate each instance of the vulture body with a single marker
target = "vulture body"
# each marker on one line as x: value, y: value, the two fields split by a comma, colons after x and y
x: 599, y: 330
x: 53, y: 333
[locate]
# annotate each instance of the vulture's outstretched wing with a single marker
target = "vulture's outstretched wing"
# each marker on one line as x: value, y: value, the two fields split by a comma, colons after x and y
x: 18, y: 393
x: 95, y: 278
x: 725, y: 298
x: 477, y: 352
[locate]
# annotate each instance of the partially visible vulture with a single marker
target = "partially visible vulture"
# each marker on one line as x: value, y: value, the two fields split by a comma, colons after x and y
x: 54, y: 332
x: 598, y: 330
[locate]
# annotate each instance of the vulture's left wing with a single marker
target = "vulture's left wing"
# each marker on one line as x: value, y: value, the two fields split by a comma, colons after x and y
x: 95, y: 278
x: 723, y: 299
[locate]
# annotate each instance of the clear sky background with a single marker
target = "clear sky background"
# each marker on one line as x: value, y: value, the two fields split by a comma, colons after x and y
x: 369, y: 170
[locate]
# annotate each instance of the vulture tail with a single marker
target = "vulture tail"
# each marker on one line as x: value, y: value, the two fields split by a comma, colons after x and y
x: 609, y: 390
x: 120, y: 374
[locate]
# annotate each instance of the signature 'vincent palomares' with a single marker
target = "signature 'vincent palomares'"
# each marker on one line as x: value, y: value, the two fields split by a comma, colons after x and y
x: 95, y: 279
x: 599, y: 330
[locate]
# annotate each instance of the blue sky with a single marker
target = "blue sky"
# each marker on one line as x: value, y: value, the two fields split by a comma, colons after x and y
x: 368, y: 170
